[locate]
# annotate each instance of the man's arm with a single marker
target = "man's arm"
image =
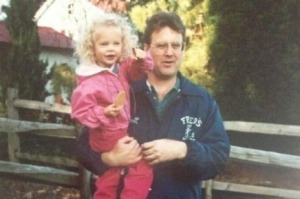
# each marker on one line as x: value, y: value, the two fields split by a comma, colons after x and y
x: 88, y: 158
x: 125, y: 152
x: 208, y: 155
x: 201, y: 158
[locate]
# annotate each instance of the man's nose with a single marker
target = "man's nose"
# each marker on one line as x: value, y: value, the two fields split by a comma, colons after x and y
x: 169, y: 50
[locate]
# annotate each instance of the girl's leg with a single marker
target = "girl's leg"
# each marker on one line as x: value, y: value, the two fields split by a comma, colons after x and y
x: 107, y: 184
x: 138, y: 181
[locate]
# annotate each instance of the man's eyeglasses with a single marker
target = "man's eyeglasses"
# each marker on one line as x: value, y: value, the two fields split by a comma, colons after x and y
x: 161, y: 48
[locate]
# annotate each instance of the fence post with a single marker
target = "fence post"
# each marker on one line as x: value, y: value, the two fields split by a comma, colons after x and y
x: 208, y: 189
x: 13, y: 138
x: 86, y: 184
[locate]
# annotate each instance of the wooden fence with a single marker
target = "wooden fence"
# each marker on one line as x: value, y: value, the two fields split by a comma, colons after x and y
x: 14, y: 127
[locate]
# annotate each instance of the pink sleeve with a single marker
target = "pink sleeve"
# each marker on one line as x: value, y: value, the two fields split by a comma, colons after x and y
x: 85, y: 109
x: 137, y: 69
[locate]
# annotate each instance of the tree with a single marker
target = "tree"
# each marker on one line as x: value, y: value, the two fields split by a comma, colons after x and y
x: 254, y: 55
x: 62, y: 80
x: 23, y: 68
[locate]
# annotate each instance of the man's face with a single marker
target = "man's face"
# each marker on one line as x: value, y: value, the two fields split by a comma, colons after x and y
x: 166, y: 51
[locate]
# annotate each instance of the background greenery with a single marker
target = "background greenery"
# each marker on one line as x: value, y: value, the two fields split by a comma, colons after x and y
x: 254, y: 56
x: 21, y: 67
x: 246, y: 53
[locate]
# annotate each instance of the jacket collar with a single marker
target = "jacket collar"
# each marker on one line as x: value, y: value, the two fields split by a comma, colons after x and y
x: 88, y: 69
x: 186, y: 86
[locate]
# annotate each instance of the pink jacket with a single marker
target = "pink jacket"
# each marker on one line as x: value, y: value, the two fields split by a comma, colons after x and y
x: 97, y: 88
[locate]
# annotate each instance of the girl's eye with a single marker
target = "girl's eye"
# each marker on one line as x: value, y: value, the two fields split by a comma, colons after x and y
x: 104, y: 44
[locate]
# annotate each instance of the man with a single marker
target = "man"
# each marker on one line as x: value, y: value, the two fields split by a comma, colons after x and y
x: 177, y: 124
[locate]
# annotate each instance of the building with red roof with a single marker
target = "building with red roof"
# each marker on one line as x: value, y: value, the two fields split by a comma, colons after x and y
x: 56, y: 48
x: 49, y: 38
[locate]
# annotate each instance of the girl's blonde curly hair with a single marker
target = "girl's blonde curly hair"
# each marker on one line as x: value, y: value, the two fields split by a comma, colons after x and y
x: 84, y: 42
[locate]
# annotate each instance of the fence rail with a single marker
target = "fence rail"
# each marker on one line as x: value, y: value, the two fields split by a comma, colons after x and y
x: 258, y: 190
x: 19, y: 126
x: 48, y: 174
x: 265, y: 157
x: 13, y: 127
x: 263, y: 128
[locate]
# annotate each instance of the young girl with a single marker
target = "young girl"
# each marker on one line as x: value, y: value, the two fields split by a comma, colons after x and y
x: 105, y: 50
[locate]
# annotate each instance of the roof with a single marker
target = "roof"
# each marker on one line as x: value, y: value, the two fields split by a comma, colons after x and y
x: 45, y: 6
x: 4, y: 34
x: 48, y: 37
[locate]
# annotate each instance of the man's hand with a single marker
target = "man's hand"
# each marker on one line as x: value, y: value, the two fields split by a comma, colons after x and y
x: 125, y: 152
x: 143, y: 60
x: 163, y: 150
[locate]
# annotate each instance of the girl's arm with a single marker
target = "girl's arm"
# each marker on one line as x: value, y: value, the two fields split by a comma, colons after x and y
x: 137, y: 67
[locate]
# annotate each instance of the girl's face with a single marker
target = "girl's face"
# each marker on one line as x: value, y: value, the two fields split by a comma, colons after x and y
x: 107, y: 45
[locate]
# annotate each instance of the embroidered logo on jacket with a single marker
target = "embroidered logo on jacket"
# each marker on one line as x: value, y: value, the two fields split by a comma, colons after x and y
x: 190, y: 123
x: 135, y: 120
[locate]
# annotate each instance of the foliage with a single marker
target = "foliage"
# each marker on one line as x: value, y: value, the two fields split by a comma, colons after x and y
x: 22, y: 68
x: 3, y: 63
x: 62, y: 80
x: 110, y: 6
x: 254, y: 56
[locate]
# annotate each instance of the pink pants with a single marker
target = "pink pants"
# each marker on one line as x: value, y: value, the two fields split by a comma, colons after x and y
x: 137, y: 182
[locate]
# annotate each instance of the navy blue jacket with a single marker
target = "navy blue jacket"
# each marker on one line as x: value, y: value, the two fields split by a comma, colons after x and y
x: 193, y: 117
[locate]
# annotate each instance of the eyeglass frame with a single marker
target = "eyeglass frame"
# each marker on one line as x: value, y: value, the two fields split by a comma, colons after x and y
x: 161, y: 47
